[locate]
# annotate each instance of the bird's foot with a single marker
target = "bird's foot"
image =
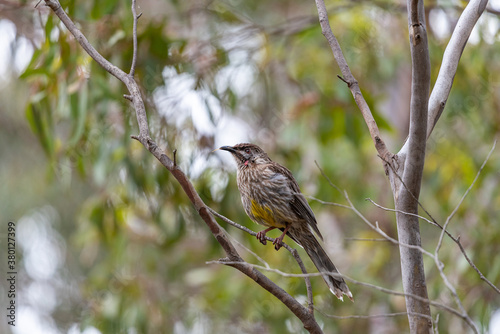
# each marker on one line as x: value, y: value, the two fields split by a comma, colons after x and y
x: 278, y: 242
x: 261, y: 236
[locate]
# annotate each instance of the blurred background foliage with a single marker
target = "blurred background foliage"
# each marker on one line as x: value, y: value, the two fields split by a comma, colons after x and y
x: 108, y: 241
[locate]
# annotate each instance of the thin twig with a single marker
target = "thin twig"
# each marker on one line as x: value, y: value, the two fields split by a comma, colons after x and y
x: 241, y: 227
x: 436, y: 327
x: 328, y: 203
x: 134, y: 40
x: 376, y: 228
x: 382, y: 233
x: 463, y: 197
x: 347, y: 278
x: 327, y: 178
x: 310, y: 301
x: 366, y: 239
x: 292, y: 251
x: 260, y: 259
x: 372, y: 316
x: 344, y: 80
x: 349, y: 79
x: 475, y: 268
x: 464, y: 315
x: 438, y: 263
x: 434, y: 222
x: 403, y: 212
x: 408, y: 190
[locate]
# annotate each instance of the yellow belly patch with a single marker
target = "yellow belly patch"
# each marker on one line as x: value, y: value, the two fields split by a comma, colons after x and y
x: 264, y: 215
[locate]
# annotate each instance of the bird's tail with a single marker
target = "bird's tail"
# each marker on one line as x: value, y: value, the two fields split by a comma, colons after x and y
x: 305, y: 238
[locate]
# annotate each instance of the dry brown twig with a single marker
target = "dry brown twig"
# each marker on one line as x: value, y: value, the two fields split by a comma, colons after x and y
x: 292, y: 251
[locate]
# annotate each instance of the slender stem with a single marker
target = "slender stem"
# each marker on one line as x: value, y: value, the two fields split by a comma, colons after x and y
x: 134, y: 39
x: 348, y: 78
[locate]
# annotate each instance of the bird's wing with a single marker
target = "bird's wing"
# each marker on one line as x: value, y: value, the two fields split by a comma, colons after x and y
x: 298, y: 203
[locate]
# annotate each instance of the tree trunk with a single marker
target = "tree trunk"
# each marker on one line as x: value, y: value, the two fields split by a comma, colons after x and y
x: 406, y: 185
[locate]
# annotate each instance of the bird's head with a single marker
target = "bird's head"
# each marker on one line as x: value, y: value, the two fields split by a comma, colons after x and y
x: 247, y: 155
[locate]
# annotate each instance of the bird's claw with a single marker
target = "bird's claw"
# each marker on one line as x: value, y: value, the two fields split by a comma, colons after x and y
x: 261, y: 236
x: 278, y: 243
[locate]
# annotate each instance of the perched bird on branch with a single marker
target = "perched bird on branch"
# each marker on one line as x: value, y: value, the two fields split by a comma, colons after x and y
x: 271, y: 197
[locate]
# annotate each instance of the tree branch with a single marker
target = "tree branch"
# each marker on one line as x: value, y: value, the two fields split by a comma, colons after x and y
x: 457, y: 240
x: 433, y: 222
x: 349, y: 79
x: 292, y: 251
x: 368, y: 285
x: 451, y: 58
x: 134, y: 39
x: 463, y: 197
x: 408, y: 295
x: 110, y: 68
x: 375, y: 316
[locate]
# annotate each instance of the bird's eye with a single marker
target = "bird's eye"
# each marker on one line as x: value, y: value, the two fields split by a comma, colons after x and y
x: 247, y: 150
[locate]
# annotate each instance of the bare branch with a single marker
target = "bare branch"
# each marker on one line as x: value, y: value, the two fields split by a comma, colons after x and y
x: 475, y: 268
x: 406, y: 213
x: 400, y: 180
x: 371, y: 316
x: 110, y: 68
x: 351, y: 280
x: 463, y: 314
x: 451, y: 58
x: 439, y: 265
x: 352, y: 83
x: 292, y: 251
x: 134, y: 39
x: 415, y: 157
x: 377, y: 229
x: 365, y: 239
x: 432, y: 221
x: 328, y: 203
x: 463, y: 197
x: 457, y: 240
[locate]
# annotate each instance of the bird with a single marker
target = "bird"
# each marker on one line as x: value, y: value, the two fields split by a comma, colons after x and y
x: 271, y: 197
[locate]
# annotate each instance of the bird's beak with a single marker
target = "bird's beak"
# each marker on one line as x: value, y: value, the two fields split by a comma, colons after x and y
x: 227, y: 148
